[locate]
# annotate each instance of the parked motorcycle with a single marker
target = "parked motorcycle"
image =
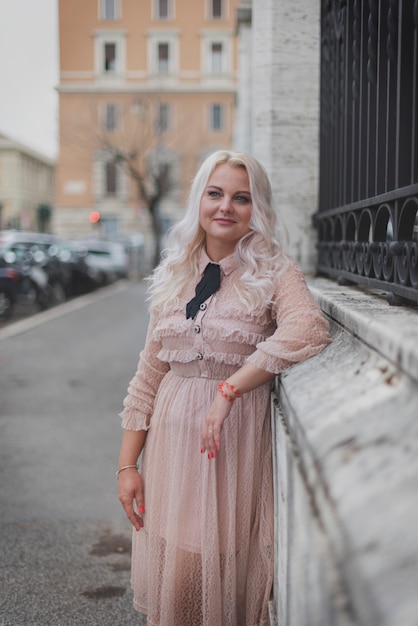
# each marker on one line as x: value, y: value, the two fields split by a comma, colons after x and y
x: 43, y: 278
x: 33, y: 287
x: 8, y: 291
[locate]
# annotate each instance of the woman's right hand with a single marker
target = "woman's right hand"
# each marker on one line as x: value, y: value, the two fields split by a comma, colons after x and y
x: 131, y: 496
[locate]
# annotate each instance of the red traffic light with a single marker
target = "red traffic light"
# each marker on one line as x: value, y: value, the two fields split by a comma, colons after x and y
x: 95, y: 217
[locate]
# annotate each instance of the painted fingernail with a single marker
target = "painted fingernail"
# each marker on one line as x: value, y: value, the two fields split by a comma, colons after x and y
x: 141, y: 509
x: 202, y: 450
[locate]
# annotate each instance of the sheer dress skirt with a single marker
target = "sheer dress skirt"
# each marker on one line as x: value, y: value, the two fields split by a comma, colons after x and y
x: 205, y: 554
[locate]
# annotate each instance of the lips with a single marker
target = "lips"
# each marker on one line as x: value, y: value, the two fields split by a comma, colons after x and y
x: 224, y: 221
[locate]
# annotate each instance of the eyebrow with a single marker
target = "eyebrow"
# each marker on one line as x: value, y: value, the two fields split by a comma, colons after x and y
x: 221, y: 189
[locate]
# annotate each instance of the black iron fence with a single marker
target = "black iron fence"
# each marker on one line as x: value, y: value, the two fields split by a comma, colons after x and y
x: 368, y: 200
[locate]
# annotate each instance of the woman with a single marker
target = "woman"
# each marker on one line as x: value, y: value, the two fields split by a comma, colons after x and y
x: 198, y: 406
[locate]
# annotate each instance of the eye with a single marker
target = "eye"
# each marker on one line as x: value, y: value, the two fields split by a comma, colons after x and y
x: 213, y: 194
x: 242, y: 199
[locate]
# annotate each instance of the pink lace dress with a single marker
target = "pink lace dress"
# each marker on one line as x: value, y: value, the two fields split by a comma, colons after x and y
x: 205, y: 554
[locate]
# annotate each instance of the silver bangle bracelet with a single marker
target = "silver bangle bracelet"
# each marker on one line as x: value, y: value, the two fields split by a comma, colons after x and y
x: 124, y: 468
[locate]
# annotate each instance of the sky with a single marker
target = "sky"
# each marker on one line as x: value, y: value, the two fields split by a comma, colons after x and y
x: 29, y: 73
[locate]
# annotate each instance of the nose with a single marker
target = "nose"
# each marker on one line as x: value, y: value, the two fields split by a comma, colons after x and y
x: 226, y: 204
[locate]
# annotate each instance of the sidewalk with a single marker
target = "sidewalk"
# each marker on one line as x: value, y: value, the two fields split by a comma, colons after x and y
x: 64, y: 539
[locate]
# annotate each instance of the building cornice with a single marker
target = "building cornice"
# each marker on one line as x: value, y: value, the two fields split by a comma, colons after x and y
x: 14, y: 146
x: 213, y: 87
x: 91, y: 76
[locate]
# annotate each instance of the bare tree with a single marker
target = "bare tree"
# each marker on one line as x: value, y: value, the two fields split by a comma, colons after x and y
x: 141, y: 150
x: 139, y: 144
x: 152, y: 183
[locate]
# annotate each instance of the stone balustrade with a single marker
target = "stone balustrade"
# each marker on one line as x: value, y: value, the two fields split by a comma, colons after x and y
x: 346, y: 455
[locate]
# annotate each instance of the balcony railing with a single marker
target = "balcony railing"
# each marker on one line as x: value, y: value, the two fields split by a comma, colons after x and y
x: 367, y: 219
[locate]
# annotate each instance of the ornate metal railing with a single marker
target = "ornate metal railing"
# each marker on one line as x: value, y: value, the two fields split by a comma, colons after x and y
x: 367, y: 219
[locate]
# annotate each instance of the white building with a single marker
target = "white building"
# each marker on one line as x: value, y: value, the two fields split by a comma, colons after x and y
x: 27, y: 183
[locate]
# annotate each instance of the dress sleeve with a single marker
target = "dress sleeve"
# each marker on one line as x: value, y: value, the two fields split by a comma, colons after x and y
x: 139, y: 402
x: 302, y: 329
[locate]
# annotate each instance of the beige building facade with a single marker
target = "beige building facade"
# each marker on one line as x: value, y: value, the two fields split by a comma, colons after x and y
x: 141, y: 83
x: 27, y: 187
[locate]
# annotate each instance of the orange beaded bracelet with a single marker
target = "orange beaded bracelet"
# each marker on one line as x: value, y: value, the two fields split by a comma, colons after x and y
x: 231, y: 387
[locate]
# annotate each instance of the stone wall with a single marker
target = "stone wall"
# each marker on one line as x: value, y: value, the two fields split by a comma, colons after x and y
x: 279, y: 82
x: 346, y: 455
x: 243, y: 114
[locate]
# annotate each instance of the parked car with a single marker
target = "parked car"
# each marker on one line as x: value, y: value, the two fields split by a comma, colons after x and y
x: 9, y: 279
x: 134, y: 250
x: 49, y: 269
x: 84, y: 277
x: 119, y: 258
x: 107, y: 259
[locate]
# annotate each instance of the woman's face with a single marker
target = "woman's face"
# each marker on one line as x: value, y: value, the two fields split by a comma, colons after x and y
x: 225, y: 210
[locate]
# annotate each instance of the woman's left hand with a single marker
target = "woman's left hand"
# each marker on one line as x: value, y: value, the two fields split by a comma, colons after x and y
x: 210, y: 438
x: 247, y: 378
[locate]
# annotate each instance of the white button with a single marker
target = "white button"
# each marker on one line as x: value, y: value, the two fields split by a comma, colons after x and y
x: 197, y: 329
x: 199, y: 356
x: 203, y: 306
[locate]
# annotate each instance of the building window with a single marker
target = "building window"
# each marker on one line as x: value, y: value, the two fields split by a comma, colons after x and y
x: 111, y: 117
x: 111, y: 186
x: 216, y: 9
x: 163, y: 52
x: 163, y: 58
x: 162, y: 118
x: 216, y: 57
x: 109, y: 58
x: 109, y: 9
x: 109, y: 53
x: 216, y: 52
x: 216, y: 121
x: 163, y: 9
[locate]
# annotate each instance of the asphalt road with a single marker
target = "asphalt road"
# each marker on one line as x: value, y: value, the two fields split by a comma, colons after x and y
x: 64, y: 540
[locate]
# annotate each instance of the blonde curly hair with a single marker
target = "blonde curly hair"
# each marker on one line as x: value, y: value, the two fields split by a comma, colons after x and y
x: 260, y: 253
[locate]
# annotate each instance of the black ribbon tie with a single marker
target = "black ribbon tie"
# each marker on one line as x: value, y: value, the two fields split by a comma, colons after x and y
x: 210, y: 282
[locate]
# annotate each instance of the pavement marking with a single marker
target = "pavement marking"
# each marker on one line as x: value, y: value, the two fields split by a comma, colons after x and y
x: 63, y: 309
